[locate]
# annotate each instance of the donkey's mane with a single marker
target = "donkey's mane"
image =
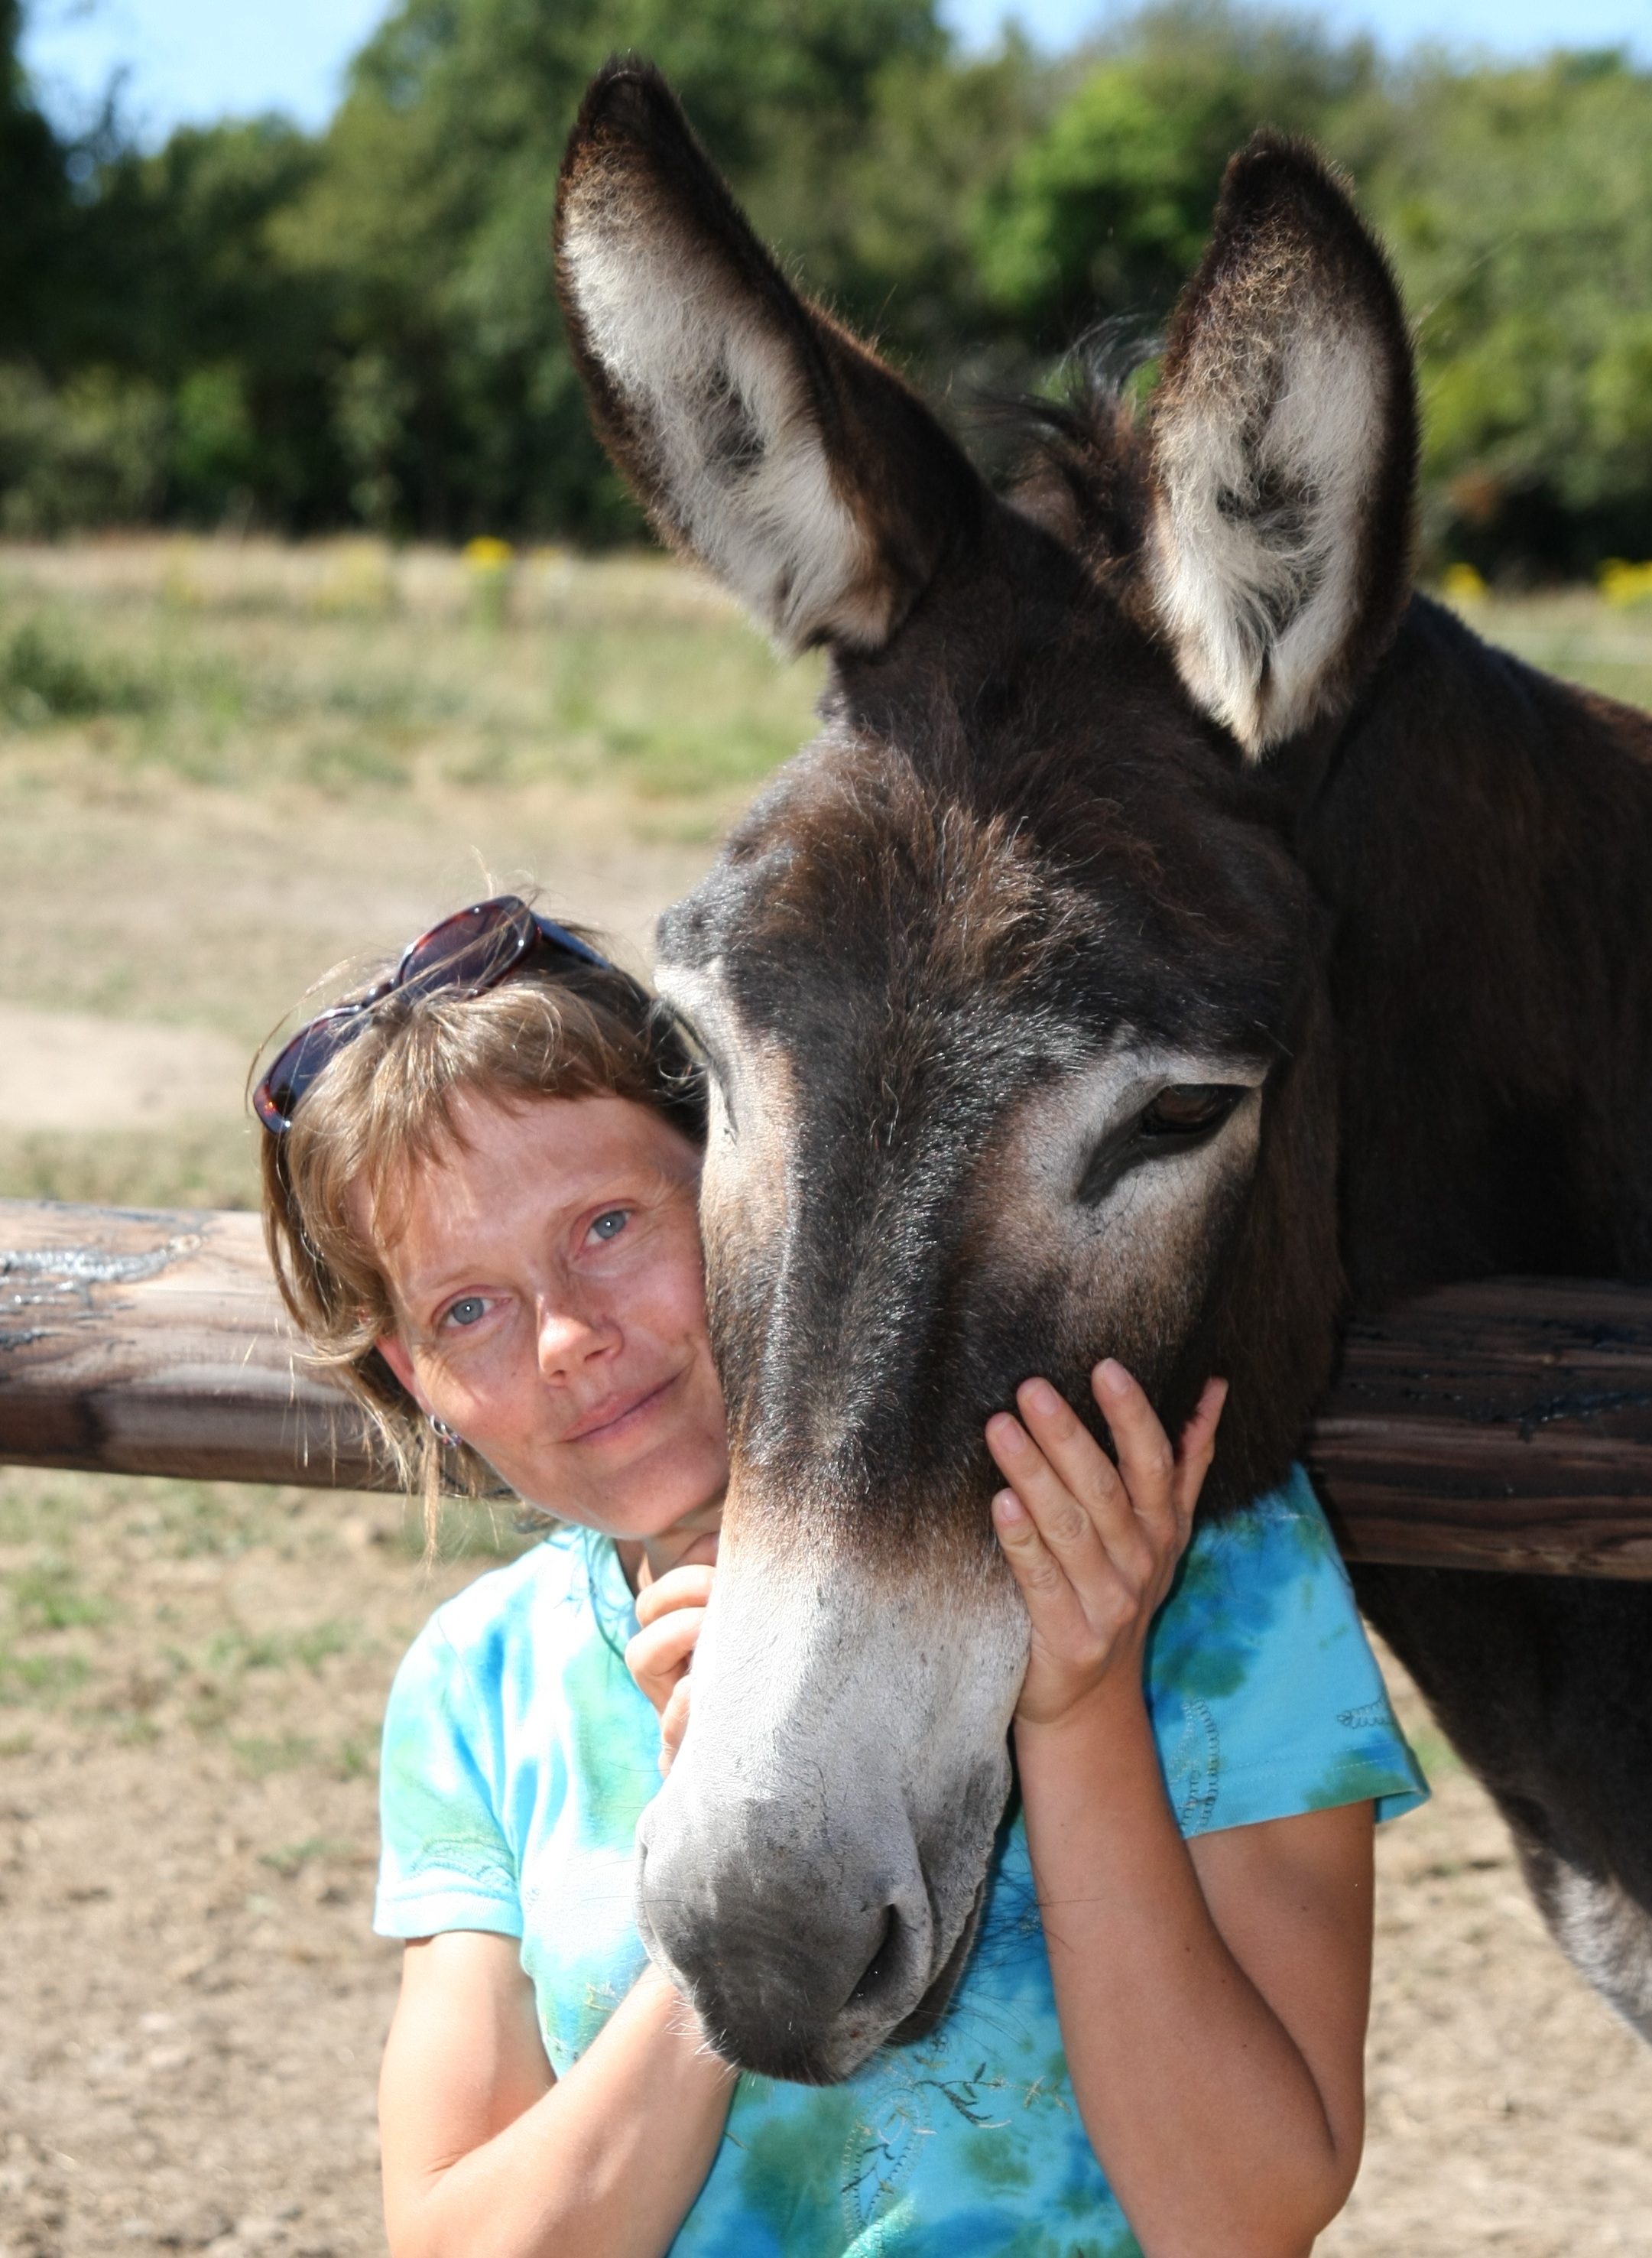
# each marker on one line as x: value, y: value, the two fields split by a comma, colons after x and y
x: 1083, y: 471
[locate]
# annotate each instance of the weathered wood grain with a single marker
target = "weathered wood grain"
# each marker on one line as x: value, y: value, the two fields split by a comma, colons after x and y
x: 1505, y: 1424
x: 140, y: 1342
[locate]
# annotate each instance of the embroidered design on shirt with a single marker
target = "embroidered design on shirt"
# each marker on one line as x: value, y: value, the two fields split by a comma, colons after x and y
x: 884, y: 2145
x: 1198, y: 1764
x: 455, y: 1857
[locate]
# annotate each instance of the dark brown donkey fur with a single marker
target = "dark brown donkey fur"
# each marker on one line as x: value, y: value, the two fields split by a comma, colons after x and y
x: 1156, y: 771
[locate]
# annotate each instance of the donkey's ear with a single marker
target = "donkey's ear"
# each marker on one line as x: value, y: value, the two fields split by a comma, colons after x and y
x: 757, y: 433
x: 1283, y: 453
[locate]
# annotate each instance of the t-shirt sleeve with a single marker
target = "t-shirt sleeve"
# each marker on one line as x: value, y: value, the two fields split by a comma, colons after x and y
x: 445, y: 1861
x: 1266, y: 1698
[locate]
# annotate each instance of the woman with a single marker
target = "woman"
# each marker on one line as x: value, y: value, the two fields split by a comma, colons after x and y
x: 480, y: 1196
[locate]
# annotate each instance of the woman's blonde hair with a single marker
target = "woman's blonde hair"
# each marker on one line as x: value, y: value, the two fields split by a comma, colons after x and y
x: 384, y: 1104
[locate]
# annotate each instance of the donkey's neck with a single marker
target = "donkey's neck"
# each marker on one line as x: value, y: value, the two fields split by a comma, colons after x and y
x: 1483, y: 835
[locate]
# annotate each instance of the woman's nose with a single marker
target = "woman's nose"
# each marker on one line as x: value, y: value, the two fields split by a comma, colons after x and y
x: 571, y: 1339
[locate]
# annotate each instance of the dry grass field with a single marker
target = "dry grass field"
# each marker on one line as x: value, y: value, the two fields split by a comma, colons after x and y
x: 223, y: 770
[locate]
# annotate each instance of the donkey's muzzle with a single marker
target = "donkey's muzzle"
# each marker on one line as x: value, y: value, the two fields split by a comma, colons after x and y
x: 789, y: 1978
x: 810, y: 1872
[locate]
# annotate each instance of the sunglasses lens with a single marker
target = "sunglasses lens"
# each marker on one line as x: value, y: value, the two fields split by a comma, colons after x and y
x: 557, y: 937
x: 473, y: 950
x: 467, y: 953
x: 298, y: 1066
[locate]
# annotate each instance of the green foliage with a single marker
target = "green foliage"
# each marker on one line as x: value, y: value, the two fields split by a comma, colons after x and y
x: 91, y: 451
x: 941, y: 142
x: 428, y: 225
x: 46, y: 676
x: 191, y: 288
x: 1517, y: 204
x: 36, y: 210
x: 1519, y: 208
x: 1107, y: 211
x: 255, y: 325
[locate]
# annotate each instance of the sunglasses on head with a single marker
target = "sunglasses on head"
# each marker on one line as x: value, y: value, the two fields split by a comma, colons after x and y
x: 467, y: 954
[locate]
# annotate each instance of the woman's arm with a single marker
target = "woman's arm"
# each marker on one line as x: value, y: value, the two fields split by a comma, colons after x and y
x: 486, y: 2155
x: 1212, y: 1998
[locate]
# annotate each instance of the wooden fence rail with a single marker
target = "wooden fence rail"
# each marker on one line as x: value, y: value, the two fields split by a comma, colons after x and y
x: 1505, y: 1424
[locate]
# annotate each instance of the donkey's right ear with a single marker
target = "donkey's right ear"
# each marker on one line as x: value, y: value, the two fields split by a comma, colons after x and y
x: 757, y: 433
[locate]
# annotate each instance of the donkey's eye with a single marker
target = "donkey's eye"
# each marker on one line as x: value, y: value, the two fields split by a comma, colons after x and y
x: 1180, y: 1118
x: 1187, y: 1111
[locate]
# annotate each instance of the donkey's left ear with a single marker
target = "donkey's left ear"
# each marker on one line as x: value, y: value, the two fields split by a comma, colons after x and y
x: 1283, y: 454
x: 755, y: 431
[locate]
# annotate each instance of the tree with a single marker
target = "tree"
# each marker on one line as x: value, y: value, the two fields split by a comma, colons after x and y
x: 361, y: 326
x: 194, y: 293
x: 36, y: 207
x: 430, y: 219
x: 1519, y: 207
x: 1106, y: 212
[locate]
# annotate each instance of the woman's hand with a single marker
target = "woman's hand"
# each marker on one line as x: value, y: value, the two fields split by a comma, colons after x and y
x: 1094, y: 1547
x: 670, y: 1611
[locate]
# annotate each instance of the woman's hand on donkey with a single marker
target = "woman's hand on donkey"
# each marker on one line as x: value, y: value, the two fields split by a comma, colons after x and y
x: 670, y: 1611
x: 1093, y: 1546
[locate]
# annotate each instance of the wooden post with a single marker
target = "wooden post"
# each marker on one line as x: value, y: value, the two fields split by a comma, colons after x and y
x: 1505, y: 1424
x: 133, y: 1341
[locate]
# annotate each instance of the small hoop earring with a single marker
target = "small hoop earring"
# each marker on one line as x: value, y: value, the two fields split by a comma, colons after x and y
x: 444, y: 1433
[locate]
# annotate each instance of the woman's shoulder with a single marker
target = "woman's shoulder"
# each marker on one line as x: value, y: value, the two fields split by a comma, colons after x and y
x: 1276, y: 1553
x: 1261, y: 1677
x: 542, y: 1601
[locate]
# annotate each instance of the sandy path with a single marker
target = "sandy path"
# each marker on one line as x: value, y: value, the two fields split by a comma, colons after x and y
x: 1510, y: 2112
x: 272, y: 930
x: 192, y: 2007
x: 72, y: 1070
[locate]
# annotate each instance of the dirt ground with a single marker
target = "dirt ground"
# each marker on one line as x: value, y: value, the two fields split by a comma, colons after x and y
x: 191, y: 2005
x: 220, y: 772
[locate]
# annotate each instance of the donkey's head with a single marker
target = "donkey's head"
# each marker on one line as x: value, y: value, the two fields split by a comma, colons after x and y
x: 1010, y: 988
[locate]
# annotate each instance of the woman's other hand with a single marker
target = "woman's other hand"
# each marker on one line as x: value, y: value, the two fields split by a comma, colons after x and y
x: 670, y: 1611
x: 1093, y: 1546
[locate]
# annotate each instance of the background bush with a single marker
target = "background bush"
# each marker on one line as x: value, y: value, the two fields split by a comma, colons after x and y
x: 254, y: 324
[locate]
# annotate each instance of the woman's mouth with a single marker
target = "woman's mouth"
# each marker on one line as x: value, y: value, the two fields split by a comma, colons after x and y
x: 620, y: 1415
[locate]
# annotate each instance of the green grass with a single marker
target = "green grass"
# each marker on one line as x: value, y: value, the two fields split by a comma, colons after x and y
x: 209, y: 1164
x: 599, y: 689
x: 1572, y: 633
x: 48, y: 1596
x: 289, y: 1859
x: 41, y: 1682
x: 259, y: 1755
x: 46, y: 676
x: 238, y: 1650
x: 128, y: 1611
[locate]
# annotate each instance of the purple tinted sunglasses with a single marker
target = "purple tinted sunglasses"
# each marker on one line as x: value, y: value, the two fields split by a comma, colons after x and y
x: 468, y: 953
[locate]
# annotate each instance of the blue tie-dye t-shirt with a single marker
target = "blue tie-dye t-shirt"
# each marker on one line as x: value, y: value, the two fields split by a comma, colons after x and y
x: 519, y: 1755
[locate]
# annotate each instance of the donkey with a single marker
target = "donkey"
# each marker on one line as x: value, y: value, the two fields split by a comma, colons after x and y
x: 1179, y: 935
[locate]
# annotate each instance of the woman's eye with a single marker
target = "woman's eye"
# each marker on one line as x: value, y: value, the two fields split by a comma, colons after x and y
x: 610, y: 1225
x: 1189, y: 1109
x: 467, y: 1310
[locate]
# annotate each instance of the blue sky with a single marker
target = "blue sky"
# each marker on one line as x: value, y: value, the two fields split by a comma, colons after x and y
x: 197, y: 59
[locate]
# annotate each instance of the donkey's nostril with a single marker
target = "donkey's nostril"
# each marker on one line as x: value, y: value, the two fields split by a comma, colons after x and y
x: 882, y: 1967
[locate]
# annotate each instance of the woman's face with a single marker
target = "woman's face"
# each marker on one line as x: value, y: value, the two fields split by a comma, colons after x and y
x: 545, y: 1273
